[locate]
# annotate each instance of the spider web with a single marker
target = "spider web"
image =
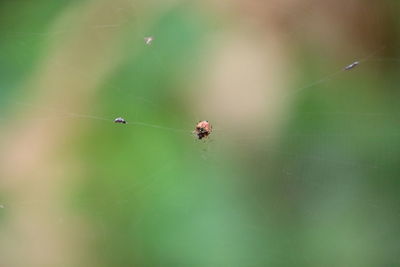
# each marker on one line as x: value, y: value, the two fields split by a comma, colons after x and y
x: 153, y: 195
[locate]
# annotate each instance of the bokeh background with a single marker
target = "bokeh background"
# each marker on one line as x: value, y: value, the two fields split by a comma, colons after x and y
x: 302, y: 168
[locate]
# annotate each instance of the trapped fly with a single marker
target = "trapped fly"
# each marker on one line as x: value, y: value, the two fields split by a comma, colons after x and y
x: 352, y: 65
x: 120, y: 120
x: 148, y: 40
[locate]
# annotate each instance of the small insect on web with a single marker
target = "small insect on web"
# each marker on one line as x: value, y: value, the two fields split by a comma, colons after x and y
x: 148, y: 40
x: 352, y: 65
x: 120, y: 120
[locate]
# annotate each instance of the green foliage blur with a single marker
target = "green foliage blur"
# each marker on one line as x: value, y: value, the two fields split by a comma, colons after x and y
x: 323, y: 192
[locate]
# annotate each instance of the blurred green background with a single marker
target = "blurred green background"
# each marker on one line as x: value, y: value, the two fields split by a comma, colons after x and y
x: 302, y: 168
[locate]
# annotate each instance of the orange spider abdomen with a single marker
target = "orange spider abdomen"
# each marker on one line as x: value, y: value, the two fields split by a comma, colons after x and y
x: 203, y: 129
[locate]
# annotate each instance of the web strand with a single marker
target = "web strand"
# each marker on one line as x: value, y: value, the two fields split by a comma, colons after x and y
x: 187, y: 131
x: 336, y: 73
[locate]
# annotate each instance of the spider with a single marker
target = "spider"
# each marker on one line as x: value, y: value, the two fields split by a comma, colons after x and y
x: 203, y: 129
